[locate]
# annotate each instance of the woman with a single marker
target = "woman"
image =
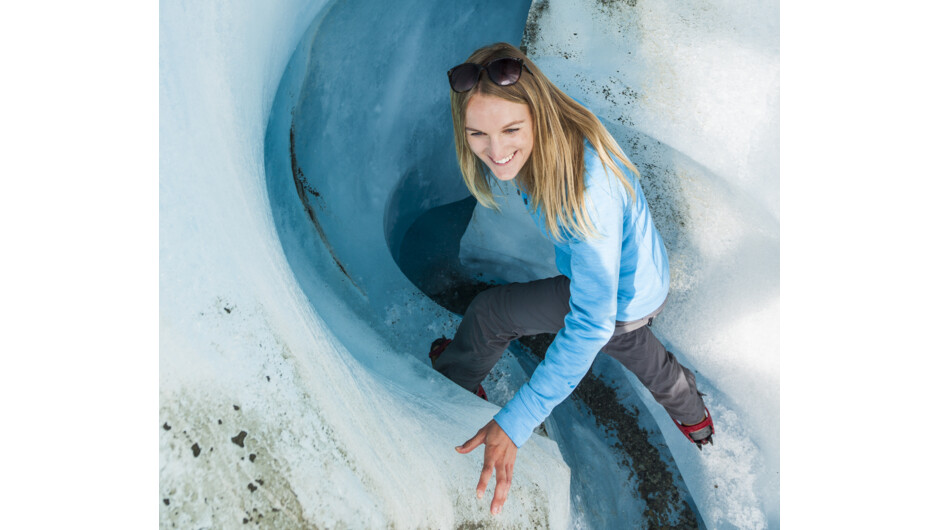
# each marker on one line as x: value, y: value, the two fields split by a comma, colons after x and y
x: 512, y: 124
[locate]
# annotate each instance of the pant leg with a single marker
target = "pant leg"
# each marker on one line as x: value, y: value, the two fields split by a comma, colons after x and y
x: 498, y: 316
x: 671, y: 384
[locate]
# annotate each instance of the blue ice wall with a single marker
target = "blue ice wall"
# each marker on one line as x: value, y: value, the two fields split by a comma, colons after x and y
x: 372, y: 142
x: 342, y: 428
x: 288, y: 304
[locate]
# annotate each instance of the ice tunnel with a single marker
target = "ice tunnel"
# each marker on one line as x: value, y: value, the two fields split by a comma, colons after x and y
x: 312, y: 215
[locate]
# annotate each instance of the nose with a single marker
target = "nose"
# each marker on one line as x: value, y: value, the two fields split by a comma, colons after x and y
x: 496, y: 149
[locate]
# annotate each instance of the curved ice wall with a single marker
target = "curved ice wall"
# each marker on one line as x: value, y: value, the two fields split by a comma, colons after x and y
x: 276, y: 407
x: 291, y: 389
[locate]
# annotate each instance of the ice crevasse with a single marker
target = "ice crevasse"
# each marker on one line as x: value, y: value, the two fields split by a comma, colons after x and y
x: 301, y: 140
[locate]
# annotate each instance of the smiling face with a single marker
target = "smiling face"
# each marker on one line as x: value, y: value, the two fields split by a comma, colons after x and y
x: 499, y: 133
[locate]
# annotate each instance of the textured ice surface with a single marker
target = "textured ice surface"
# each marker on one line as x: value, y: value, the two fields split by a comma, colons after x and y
x: 343, y: 427
x: 292, y: 323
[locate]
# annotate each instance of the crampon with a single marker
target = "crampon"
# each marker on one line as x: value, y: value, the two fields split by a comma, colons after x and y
x: 701, y: 433
x: 437, y: 348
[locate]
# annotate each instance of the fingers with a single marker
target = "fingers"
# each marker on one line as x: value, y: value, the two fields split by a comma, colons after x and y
x: 503, y: 482
x: 500, y: 456
x: 472, y: 443
x: 484, y: 479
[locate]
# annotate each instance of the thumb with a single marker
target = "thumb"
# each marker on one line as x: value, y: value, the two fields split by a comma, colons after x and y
x: 472, y: 443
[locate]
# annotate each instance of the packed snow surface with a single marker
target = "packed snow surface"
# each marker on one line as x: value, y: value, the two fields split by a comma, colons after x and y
x: 301, y: 140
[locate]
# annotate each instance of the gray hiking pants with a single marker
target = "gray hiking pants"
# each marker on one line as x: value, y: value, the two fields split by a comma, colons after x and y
x: 507, y: 312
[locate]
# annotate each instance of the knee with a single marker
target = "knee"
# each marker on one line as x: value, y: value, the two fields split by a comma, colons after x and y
x: 485, y: 303
x: 492, y: 310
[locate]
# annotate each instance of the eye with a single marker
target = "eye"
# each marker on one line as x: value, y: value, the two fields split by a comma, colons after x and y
x: 510, y: 131
x: 477, y: 133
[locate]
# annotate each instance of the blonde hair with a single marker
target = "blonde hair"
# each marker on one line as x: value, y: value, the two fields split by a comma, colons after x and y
x: 553, y: 177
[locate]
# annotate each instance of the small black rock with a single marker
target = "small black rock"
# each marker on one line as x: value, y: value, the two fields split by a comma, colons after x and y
x: 196, y: 450
x: 240, y: 439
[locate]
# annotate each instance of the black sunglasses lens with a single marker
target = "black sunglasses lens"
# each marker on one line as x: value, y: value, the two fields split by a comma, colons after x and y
x: 504, y: 72
x: 463, y: 77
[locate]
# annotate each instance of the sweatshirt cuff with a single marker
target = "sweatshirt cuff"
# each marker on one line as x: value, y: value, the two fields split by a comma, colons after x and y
x: 516, y: 420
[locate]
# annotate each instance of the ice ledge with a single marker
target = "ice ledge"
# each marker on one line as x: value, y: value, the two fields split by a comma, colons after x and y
x: 326, y: 441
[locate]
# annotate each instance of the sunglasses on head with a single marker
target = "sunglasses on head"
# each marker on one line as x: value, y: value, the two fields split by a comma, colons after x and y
x: 503, y: 72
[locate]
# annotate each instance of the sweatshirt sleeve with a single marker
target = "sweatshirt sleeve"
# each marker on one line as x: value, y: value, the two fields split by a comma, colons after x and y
x: 595, y: 272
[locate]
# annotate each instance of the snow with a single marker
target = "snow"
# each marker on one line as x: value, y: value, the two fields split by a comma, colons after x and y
x: 310, y: 329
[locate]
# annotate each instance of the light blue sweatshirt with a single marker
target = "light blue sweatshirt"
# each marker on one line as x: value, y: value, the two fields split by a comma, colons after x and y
x: 622, y: 274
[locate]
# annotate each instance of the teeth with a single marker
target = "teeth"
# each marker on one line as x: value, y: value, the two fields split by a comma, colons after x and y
x: 507, y: 159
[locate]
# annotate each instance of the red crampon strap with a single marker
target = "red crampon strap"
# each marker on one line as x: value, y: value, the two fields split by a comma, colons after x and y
x: 703, y: 429
x: 437, y: 348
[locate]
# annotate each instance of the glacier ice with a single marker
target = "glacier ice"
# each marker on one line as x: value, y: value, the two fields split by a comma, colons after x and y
x: 297, y: 314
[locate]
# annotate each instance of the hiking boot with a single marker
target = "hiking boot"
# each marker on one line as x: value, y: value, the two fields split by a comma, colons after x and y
x: 437, y: 348
x: 700, y: 433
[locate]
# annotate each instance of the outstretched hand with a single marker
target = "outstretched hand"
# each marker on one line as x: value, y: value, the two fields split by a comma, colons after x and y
x: 500, y: 454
